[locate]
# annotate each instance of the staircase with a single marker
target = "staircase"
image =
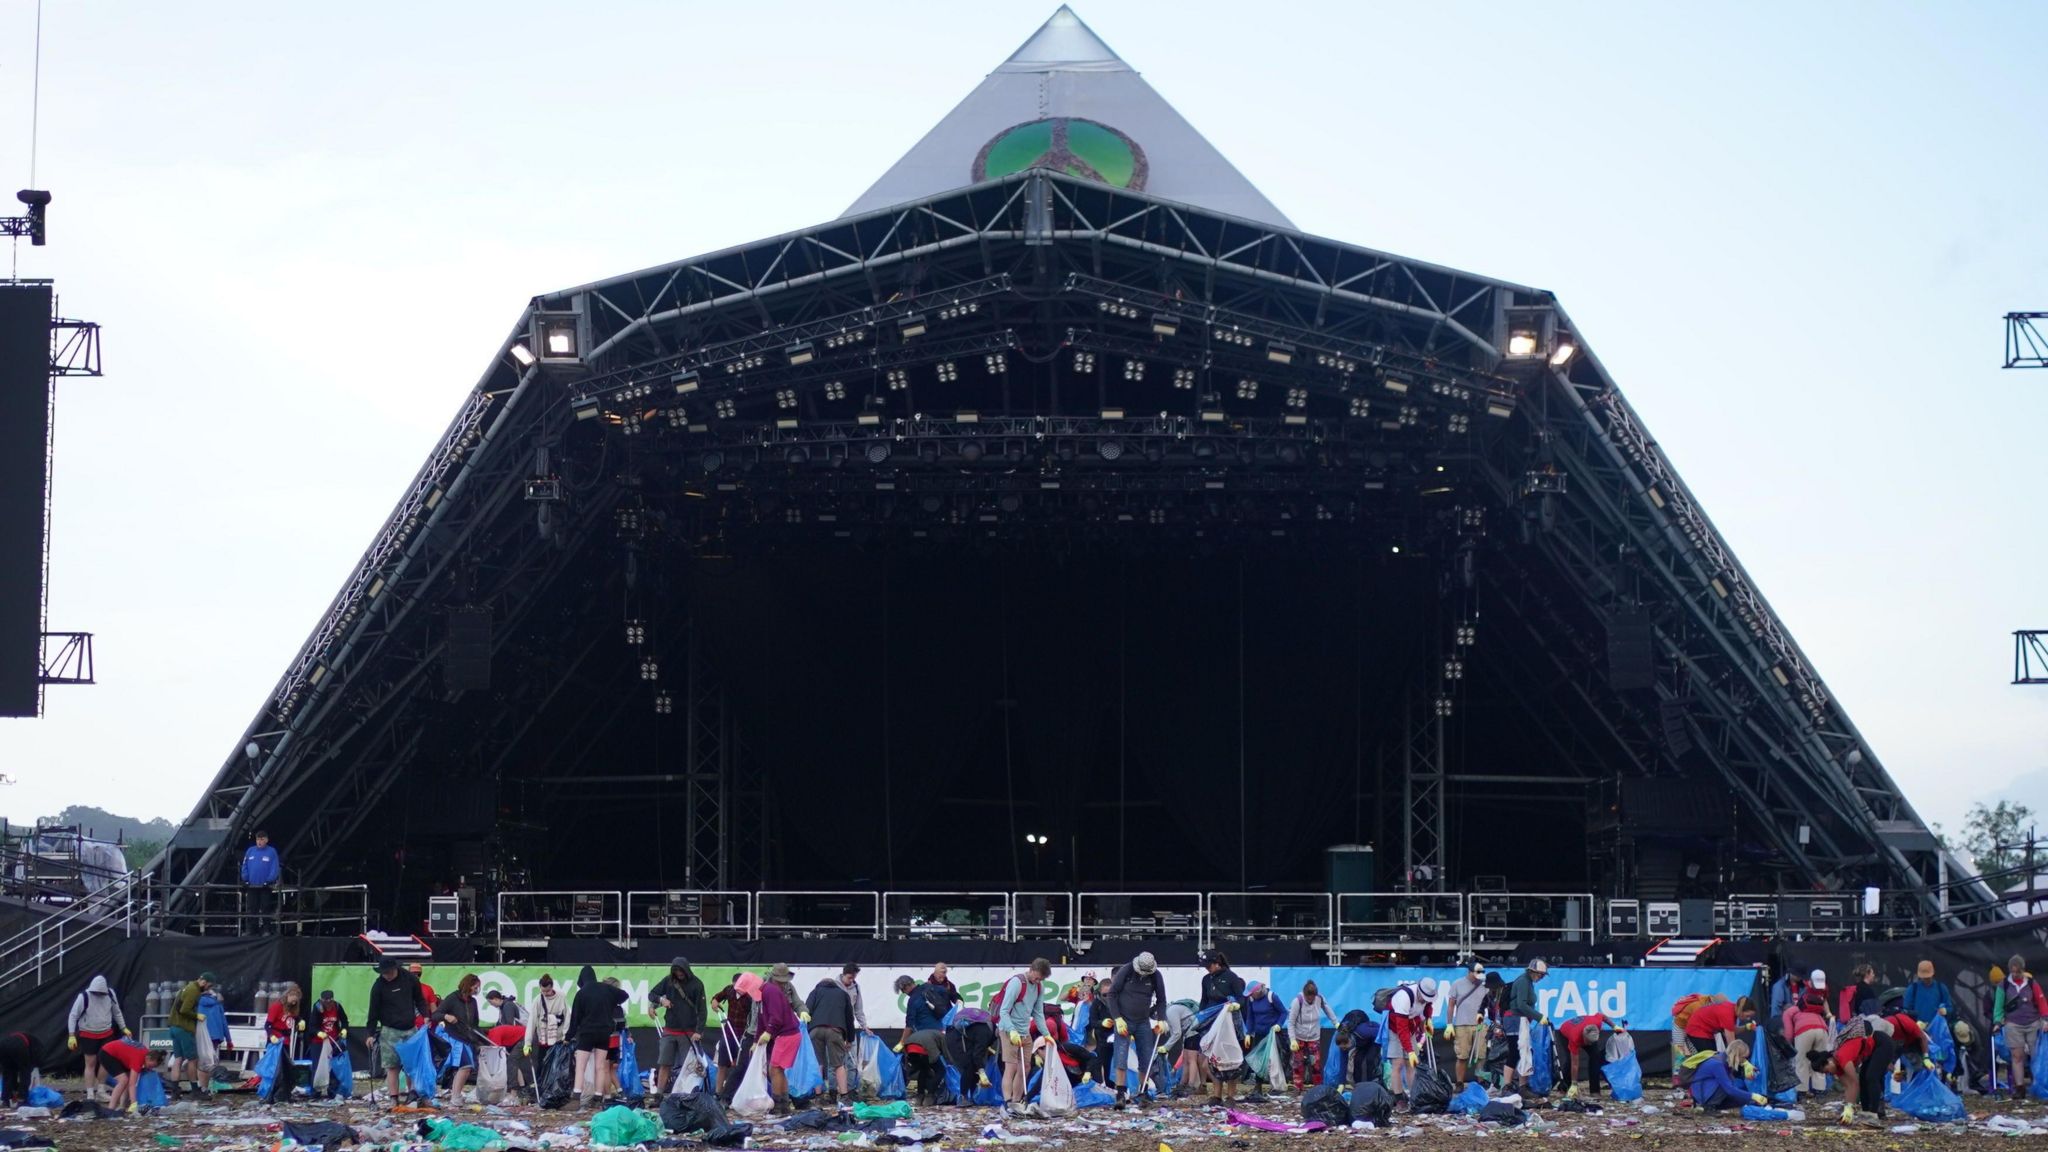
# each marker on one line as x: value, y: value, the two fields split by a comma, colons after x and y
x: 37, y: 953
x: 1677, y: 952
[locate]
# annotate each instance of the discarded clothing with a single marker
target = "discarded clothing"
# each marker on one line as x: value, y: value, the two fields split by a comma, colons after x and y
x: 1248, y: 1120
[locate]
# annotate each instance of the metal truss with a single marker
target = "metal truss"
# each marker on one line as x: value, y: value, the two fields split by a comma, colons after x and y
x: 2030, y: 657
x: 2025, y: 346
x: 1422, y: 795
x: 74, y: 348
x: 708, y: 741
x: 67, y: 658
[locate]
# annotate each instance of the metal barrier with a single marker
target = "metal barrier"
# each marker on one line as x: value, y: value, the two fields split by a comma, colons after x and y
x: 1042, y: 916
x: 1499, y: 917
x: 38, y: 951
x: 534, y: 915
x: 1387, y: 920
x: 338, y: 910
x: 817, y: 914
x: 1268, y: 916
x: 1141, y: 915
x: 946, y: 915
x: 690, y: 913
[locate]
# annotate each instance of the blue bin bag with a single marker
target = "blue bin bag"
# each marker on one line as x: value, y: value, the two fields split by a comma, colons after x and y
x: 890, y: 1065
x: 460, y: 1055
x: 1756, y: 1112
x: 341, y: 1073
x: 1760, y: 1084
x: 1079, y: 1028
x: 266, y: 1068
x: 2001, y: 1061
x: 1469, y: 1100
x: 952, y: 1085
x: 629, y: 1069
x: 805, y: 1077
x: 149, y: 1090
x: 1093, y: 1095
x: 1941, y: 1044
x: 416, y: 1060
x: 992, y: 1095
x: 44, y: 1096
x: 1925, y: 1097
x: 1542, y: 1053
x: 2038, y: 1069
x: 1625, y: 1078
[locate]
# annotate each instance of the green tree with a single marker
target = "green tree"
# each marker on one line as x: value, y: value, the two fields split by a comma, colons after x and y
x: 141, y: 852
x: 1991, y: 835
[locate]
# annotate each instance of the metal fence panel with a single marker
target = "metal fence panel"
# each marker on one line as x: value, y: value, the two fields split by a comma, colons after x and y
x: 817, y: 913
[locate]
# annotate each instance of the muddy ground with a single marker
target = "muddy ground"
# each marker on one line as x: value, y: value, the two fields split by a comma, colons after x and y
x: 237, y: 1122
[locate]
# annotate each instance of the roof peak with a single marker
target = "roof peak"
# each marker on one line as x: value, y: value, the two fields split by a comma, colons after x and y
x: 1064, y: 40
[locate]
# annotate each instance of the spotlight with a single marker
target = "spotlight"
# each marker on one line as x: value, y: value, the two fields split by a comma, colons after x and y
x: 558, y: 339
x: 586, y: 407
x: 1360, y: 406
x: 835, y: 390
x: 1395, y: 384
x: 1165, y: 324
x: 1563, y: 353
x: 800, y: 352
x: 1111, y: 449
x: 1084, y: 361
x: 685, y: 382
x: 911, y: 326
x: 970, y: 451
x: 723, y: 407
x: 996, y: 363
x: 1134, y: 369
x: 636, y: 632
x: 948, y: 372
x: 877, y: 451
x: 1184, y: 378
x: 650, y: 669
x: 1522, y: 343
x: 1279, y: 352
x: 898, y: 379
x: 1212, y: 416
x: 1247, y: 389
x: 1231, y: 336
x: 1500, y: 407
x: 797, y: 454
x: 1112, y: 413
x: 662, y: 704
x: 1458, y: 422
x: 712, y: 460
x: 785, y: 397
x: 967, y: 416
x: 1297, y: 397
x: 524, y: 355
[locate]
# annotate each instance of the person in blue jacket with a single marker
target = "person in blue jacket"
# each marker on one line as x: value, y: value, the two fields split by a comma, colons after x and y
x: 1925, y: 997
x: 261, y: 868
x: 1716, y: 1084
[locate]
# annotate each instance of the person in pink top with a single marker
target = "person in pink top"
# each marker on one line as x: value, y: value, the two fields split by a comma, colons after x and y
x: 1806, y: 1026
x: 779, y: 1033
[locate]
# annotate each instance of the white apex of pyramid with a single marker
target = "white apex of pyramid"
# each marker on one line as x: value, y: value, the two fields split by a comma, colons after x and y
x: 1066, y: 101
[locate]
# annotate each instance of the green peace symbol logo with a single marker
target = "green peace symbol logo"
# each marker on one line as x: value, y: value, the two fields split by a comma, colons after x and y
x: 1070, y: 144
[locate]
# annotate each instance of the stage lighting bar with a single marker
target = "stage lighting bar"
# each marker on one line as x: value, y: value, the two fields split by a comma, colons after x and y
x: 685, y: 382
x: 1297, y: 397
x: 847, y: 338
x: 898, y: 379
x: 1247, y: 388
x: 1184, y: 378
x: 1232, y: 336
x: 835, y: 390
x: 1165, y: 324
x: 801, y: 352
x: 586, y: 407
x: 1360, y: 406
x: 1279, y: 352
x: 960, y: 310
x: 948, y: 372
x: 1118, y: 309
x: 1457, y: 423
x: 1134, y: 370
x: 1084, y: 361
x: 997, y: 363
x: 724, y: 407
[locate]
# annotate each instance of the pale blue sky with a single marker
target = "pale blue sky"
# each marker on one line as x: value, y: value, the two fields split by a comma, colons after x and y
x: 1789, y: 230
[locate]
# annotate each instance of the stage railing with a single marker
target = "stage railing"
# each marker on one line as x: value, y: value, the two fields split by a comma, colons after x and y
x: 336, y: 910
x: 38, y: 952
x: 1042, y: 916
x: 1142, y: 915
x: 1501, y: 917
x: 946, y: 915
x: 690, y: 913
x: 1422, y: 920
x: 1268, y: 916
x: 817, y: 914
x: 537, y: 915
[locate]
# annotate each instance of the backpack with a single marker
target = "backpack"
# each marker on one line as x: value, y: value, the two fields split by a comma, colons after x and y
x: 1864, y: 1026
x: 1384, y: 998
x: 1681, y: 1012
x: 995, y: 1006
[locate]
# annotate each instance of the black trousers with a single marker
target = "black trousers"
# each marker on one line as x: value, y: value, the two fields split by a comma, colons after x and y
x: 262, y: 911
x: 1361, y: 1063
x: 1875, y: 1075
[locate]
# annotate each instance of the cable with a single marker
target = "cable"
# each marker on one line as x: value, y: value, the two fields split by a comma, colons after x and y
x: 35, y: 100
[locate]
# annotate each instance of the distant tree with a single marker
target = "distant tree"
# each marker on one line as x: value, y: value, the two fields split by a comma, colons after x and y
x: 1991, y: 835
x: 141, y: 852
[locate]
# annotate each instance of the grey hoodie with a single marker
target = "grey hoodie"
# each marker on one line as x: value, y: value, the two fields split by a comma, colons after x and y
x: 96, y: 1011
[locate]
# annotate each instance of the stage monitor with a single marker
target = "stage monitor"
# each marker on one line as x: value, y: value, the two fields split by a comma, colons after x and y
x: 24, y: 461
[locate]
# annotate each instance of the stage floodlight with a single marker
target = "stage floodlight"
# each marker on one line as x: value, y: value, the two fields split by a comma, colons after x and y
x: 558, y: 337
x: 1500, y: 407
x: 1212, y: 416
x: 1112, y: 413
x: 586, y: 407
x: 970, y: 450
x: 800, y: 352
x: 1165, y: 324
x: 1395, y: 384
x: 878, y: 451
x: 1521, y: 343
x: 685, y: 382
x: 967, y: 416
x: 1563, y: 353
x: 1111, y: 449
x: 786, y: 423
x: 1280, y: 352
x: 868, y: 419
x: 911, y: 326
x: 524, y: 355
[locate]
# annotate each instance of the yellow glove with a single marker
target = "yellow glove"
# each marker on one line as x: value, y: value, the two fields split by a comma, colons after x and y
x: 983, y: 1077
x: 1748, y: 1070
x: 1230, y: 1006
x: 1275, y: 1029
x: 132, y: 1108
x: 1448, y: 1030
x: 804, y: 1016
x: 302, y: 1025
x: 1543, y: 1021
x: 127, y: 1033
x: 1087, y: 1077
x: 898, y: 1049
x: 1413, y: 1057
x: 1123, y: 1027
x: 1572, y: 1093
x: 527, y: 1051
x: 1848, y: 1113
x: 344, y: 1033
x: 1016, y: 1038
x: 1759, y: 1099
x: 72, y: 1043
x: 761, y: 1041
x: 1294, y: 1045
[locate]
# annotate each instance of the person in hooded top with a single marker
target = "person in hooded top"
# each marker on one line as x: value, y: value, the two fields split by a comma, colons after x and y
x: 1137, y: 994
x: 924, y: 1063
x: 95, y: 1019
x: 1408, y: 1013
x: 680, y: 997
x: 590, y: 1029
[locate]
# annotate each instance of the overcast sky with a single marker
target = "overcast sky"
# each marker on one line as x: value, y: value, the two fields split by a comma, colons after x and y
x: 1788, y: 229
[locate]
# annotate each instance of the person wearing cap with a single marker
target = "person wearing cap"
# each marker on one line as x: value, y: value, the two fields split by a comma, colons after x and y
x: 1927, y: 998
x: 1524, y: 1016
x: 261, y: 870
x: 427, y: 992
x: 1264, y: 1015
x: 1137, y: 996
x: 829, y: 1009
x: 679, y: 999
x: 1786, y: 991
x: 1305, y: 1018
x: 1585, y: 1043
x: 1464, y: 1024
x: 1805, y: 1026
x: 395, y: 1009
x: 1408, y: 1013
x: 1020, y: 1014
x: 184, y: 1026
x: 2017, y: 1007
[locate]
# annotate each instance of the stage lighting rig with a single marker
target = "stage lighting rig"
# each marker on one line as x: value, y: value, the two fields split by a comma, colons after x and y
x: 35, y: 224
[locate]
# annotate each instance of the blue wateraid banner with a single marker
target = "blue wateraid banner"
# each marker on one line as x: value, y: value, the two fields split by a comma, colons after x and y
x: 1641, y: 996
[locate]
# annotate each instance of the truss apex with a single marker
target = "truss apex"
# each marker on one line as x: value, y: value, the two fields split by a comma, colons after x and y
x: 1064, y: 39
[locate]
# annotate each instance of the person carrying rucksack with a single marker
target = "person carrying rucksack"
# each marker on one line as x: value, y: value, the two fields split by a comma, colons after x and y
x: 1409, y: 1008
x: 1862, y: 1062
x: 2018, y: 1007
x: 1305, y: 1032
x: 1020, y: 1014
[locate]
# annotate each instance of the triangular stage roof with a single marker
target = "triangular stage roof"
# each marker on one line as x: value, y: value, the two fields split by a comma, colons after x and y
x: 1025, y: 114
x: 719, y: 497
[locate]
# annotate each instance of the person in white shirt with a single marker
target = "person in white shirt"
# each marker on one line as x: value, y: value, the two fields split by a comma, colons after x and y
x: 1408, y: 1013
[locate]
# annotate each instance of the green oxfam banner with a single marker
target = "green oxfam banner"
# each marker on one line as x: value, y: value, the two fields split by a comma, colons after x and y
x: 978, y: 985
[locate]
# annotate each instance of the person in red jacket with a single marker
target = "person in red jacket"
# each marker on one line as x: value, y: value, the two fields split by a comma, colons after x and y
x: 1585, y: 1040
x: 1910, y: 1039
x: 1862, y: 1064
x: 131, y: 1058
x: 1714, y: 1023
x: 285, y: 1026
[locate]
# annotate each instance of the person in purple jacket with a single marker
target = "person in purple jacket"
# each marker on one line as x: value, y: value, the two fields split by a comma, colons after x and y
x: 779, y: 1034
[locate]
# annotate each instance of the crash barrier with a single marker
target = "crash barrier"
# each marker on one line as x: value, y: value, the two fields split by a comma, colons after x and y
x: 1344, y: 923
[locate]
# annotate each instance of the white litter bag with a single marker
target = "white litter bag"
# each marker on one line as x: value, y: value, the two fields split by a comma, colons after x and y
x: 753, y: 1099
x: 202, y: 1039
x: 490, y: 1075
x: 1055, y: 1091
x: 323, y: 1075
x: 1276, y: 1068
x: 1619, y: 1044
x: 1220, y: 1044
x: 690, y: 1075
x: 871, y: 1063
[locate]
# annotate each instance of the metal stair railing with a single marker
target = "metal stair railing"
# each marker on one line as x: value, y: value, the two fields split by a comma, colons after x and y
x: 38, y: 951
